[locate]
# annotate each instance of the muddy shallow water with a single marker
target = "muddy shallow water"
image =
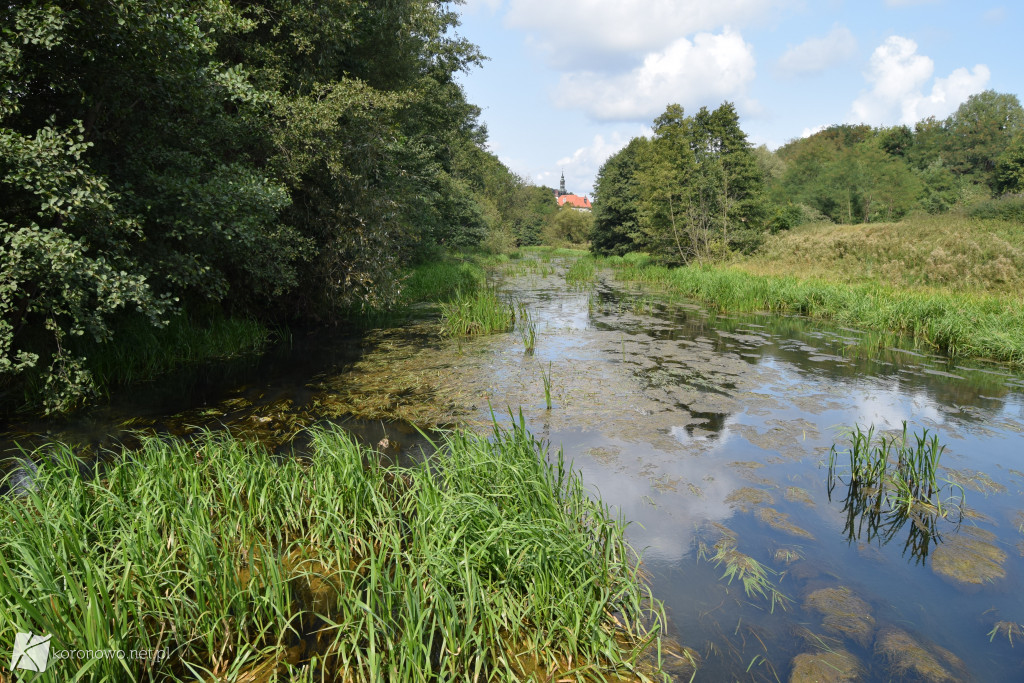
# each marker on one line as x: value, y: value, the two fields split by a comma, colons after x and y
x: 708, y: 434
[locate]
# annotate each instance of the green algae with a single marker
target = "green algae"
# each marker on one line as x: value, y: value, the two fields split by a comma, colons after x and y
x: 747, y: 498
x: 907, y: 657
x: 836, y: 666
x: 795, y: 494
x: 970, y: 558
x: 844, y: 614
x: 780, y: 521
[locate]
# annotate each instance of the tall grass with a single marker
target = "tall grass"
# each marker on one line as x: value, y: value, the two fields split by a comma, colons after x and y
x: 951, y: 252
x: 481, y: 311
x: 486, y: 563
x: 441, y: 281
x: 966, y: 325
x: 582, y: 273
x: 527, y: 327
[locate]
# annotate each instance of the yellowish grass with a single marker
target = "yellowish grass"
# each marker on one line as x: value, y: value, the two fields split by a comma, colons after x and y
x: 949, y: 252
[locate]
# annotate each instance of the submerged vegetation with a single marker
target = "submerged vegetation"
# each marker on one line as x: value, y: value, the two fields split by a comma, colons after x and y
x: 483, y: 563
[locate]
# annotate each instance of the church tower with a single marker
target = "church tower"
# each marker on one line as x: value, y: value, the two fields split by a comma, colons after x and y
x: 561, y: 186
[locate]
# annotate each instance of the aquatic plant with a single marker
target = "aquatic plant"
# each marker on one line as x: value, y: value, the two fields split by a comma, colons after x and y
x: 486, y: 562
x: 893, y: 483
x: 527, y: 327
x: 546, y: 377
x: 755, y: 577
x: 482, y: 311
x: 582, y: 273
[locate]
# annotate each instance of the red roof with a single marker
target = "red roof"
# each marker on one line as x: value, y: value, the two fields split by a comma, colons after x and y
x: 574, y: 200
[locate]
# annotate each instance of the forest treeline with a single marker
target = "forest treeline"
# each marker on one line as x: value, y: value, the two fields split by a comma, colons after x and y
x: 278, y: 160
x: 696, y: 189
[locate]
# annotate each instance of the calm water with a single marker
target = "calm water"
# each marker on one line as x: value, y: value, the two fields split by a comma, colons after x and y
x: 704, y: 430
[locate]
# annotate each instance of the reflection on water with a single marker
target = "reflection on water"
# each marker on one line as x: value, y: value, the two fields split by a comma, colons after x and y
x: 700, y: 428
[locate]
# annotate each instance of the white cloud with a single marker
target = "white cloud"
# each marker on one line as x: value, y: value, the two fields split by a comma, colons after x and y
x: 474, y: 6
x: 898, y: 75
x: 578, y: 33
x: 808, y: 132
x: 818, y: 54
x: 582, y: 166
x: 710, y: 68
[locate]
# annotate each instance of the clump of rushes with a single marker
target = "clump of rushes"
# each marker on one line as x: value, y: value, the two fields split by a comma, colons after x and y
x: 582, y: 273
x: 527, y: 328
x: 485, y: 563
x: 482, y: 311
x: 903, y: 470
x: 546, y: 376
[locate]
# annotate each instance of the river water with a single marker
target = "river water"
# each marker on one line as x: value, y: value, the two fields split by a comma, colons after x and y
x: 710, y: 435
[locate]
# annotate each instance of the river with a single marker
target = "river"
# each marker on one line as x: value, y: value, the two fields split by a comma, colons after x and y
x: 710, y: 434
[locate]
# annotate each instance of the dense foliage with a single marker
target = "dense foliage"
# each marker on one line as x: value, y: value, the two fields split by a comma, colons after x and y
x: 695, y: 189
x: 273, y: 159
x: 857, y: 174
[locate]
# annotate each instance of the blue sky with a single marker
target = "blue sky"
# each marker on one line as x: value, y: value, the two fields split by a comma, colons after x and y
x: 569, y: 82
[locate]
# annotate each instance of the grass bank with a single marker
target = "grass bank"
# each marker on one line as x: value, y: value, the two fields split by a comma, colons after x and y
x: 485, y: 563
x: 951, y: 251
x: 958, y: 324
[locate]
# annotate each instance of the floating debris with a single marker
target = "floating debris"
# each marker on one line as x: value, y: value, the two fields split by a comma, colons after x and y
x: 747, y: 498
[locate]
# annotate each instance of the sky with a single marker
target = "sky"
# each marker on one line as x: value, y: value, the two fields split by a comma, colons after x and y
x: 570, y: 82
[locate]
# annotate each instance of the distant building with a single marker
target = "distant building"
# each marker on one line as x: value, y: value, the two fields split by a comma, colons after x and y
x: 574, y: 200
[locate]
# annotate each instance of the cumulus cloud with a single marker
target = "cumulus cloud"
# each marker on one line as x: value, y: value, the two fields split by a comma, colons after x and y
x: 808, y: 132
x: 710, y: 68
x: 898, y: 76
x: 576, y: 33
x: 818, y: 54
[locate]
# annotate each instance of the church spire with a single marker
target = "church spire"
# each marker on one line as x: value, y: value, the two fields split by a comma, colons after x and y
x: 561, y: 187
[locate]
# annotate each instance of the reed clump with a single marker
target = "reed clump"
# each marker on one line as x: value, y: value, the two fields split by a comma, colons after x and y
x: 478, y: 312
x: 582, y: 273
x: 901, y: 469
x: 527, y: 327
x: 484, y: 563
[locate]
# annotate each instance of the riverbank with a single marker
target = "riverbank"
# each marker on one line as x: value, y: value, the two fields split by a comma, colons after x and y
x: 484, y: 562
x: 839, y: 273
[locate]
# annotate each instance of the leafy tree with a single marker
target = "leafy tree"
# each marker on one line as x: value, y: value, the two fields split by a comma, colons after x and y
x: 1009, y: 169
x: 979, y: 131
x: 617, y: 192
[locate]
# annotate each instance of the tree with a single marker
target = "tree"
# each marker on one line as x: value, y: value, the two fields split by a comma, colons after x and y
x: 1009, y: 169
x: 617, y: 192
x: 979, y: 131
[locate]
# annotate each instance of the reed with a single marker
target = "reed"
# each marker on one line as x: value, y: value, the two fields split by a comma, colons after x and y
x: 484, y: 563
x: 527, y: 327
x: 546, y: 377
x: 479, y: 312
x: 904, y: 469
x: 582, y: 273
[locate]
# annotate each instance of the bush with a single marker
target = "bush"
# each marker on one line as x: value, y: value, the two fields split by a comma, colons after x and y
x: 1008, y: 208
